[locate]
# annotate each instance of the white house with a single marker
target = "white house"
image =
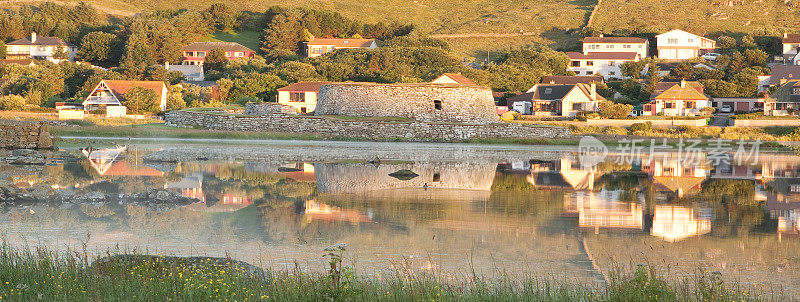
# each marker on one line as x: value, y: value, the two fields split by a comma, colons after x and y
x: 606, y: 64
x: 681, y: 45
x: 616, y: 44
x: 37, y: 47
x: 318, y: 47
x: 192, y: 73
x: 112, y: 93
x: 302, y: 96
x: 791, y: 42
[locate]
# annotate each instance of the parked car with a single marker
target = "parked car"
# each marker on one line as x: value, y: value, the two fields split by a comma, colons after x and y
x: 711, y: 56
x: 725, y: 109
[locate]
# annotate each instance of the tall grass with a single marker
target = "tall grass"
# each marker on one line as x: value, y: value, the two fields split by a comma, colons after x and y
x: 39, y: 274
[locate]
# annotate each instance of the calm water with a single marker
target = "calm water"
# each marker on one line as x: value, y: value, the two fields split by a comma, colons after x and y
x: 536, y: 216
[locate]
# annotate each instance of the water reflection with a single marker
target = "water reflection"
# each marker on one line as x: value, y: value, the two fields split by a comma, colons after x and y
x: 553, y: 216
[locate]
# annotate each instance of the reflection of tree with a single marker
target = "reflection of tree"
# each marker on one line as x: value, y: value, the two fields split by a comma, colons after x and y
x: 512, y: 182
x: 737, y: 212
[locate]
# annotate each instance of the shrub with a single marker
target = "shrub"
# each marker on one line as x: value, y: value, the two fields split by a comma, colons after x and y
x: 708, y: 110
x: 243, y: 100
x: 614, y: 110
x: 12, y: 102
x: 642, y: 127
x: 510, y: 116
x: 584, y: 115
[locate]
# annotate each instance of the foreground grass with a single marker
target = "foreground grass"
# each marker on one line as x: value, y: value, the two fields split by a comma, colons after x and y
x: 27, y: 275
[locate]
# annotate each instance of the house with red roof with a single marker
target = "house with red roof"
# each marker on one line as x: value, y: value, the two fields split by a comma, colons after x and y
x: 112, y: 93
x: 302, y: 95
x: 318, y: 47
x: 453, y: 78
x: 195, y: 53
x: 35, y: 47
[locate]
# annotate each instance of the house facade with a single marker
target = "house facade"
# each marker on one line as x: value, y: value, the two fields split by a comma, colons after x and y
x: 785, y: 100
x: 112, y: 94
x: 35, y: 47
x: 616, y: 44
x: 557, y: 100
x: 195, y: 53
x: 678, y: 100
x: 791, y: 43
x: 302, y: 96
x: 192, y: 73
x: 681, y: 45
x: 571, y: 80
x: 605, y: 64
x: 318, y: 47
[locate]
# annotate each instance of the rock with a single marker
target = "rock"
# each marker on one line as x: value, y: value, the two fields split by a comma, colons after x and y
x: 163, y: 195
x: 404, y: 174
x: 108, y: 263
x: 26, y: 152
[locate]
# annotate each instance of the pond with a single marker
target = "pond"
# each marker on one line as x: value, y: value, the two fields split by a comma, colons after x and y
x: 445, y: 209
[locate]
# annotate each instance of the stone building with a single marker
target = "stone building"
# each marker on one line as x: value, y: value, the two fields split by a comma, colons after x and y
x: 426, y: 102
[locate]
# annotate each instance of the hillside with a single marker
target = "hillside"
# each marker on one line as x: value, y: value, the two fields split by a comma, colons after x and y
x: 474, y: 27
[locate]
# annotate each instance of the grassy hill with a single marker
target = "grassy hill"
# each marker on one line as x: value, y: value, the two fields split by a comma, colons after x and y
x: 474, y: 27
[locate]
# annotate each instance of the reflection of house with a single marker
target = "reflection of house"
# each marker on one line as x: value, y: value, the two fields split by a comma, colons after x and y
x: 604, y: 209
x: 680, y: 175
x: 235, y: 199
x: 323, y: 212
x: 783, y: 204
x: 300, y: 172
x: 108, y: 162
x: 673, y: 223
x: 565, y: 173
x: 190, y: 186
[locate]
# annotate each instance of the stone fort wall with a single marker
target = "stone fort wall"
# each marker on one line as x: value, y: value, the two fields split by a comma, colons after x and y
x: 24, y: 135
x: 423, y: 102
x: 331, y: 127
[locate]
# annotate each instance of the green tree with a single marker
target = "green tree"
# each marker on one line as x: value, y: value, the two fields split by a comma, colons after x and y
x: 612, y: 110
x: 100, y: 48
x: 2, y: 49
x: 215, y: 60
x: 633, y: 69
x: 220, y: 16
x: 683, y: 70
x: 175, y: 100
x: 61, y: 53
x: 142, y: 100
x: 12, y: 102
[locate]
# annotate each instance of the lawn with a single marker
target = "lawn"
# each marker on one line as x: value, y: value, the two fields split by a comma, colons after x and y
x: 249, y: 39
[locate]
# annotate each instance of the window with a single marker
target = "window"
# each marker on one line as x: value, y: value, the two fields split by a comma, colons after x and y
x: 548, y: 90
x: 626, y: 46
x: 647, y: 108
x: 610, y: 46
x: 690, y: 105
x: 201, y: 54
x: 437, y: 177
x: 239, y: 54
x: 691, y: 40
x: 589, y: 72
x: 227, y: 54
x: 576, y: 64
x: 640, y: 46
x: 302, y: 109
x: 611, y: 63
x: 297, y: 96
x: 672, y: 41
x: 577, y: 106
x: 437, y: 104
x: 589, y: 63
x: 795, y: 90
x: 794, y: 188
x: 669, y: 105
x: 612, y: 73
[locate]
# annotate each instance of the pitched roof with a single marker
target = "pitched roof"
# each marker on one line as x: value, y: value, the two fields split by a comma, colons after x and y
x: 304, y: 86
x: 603, y: 56
x: 343, y: 43
x: 783, y: 72
x: 571, y: 80
x: 42, y: 41
x: 189, y: 71
x: 664, y: 85
x: 456, y: 77
x: 613, y: 40
x: 208, y: 46
x: 784, y: 93
x: 120, y: 88
x: 676, y: 92
x: 791, y: 38
x: 549, y: 92
x: 24, y: 62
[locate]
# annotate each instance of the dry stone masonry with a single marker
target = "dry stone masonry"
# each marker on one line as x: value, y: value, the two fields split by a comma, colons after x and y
x: 422, y: 102
x: 24, y: 135
x: 332, y: 127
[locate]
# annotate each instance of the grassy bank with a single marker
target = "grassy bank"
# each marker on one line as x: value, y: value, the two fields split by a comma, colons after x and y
x: 30, y: 275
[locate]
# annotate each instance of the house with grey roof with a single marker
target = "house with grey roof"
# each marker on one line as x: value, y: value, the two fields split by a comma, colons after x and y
x: 36, y: 47
x: 785, y: 100
x: 192, y: 73
x: 559, y: 100
x: 195, y: 53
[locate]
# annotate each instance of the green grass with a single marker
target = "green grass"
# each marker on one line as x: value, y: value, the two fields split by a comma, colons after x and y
x: 42, y: 275
x: 249, y: 39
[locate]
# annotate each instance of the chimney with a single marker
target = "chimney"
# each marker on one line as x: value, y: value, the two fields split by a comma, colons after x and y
x: 33, y: 37
x: 785, y: 35
x: 593, y: 90
x: 683, y: 83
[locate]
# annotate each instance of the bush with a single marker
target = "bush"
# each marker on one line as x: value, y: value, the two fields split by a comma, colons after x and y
x: 12, y: 102
x: 243, y: 100
x: 707, y: 110
x: 613, y: 110
x: 642, y: 127
x: 510, y: 116
x: 585, y: 115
